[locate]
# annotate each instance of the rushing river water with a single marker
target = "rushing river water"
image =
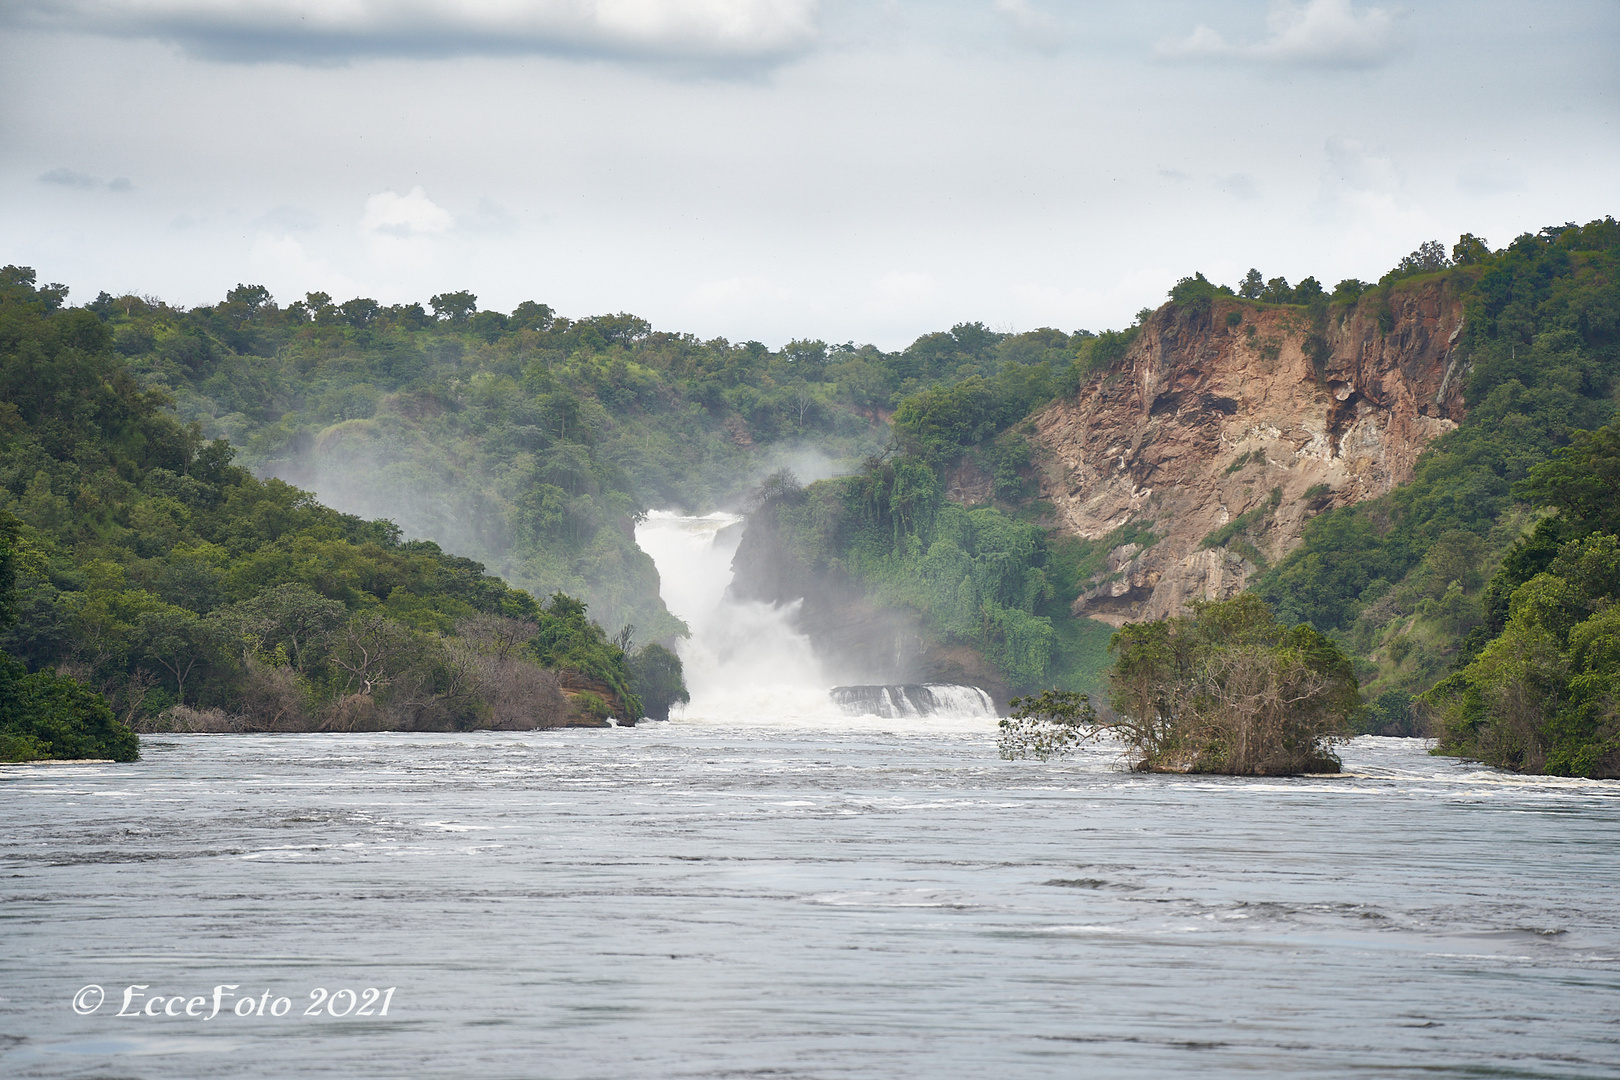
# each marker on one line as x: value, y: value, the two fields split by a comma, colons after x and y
x: 766, y: 887
x: 856, y: 899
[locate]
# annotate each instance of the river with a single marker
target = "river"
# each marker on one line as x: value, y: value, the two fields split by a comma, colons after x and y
x: 767, y: 887
x: 845, y: 899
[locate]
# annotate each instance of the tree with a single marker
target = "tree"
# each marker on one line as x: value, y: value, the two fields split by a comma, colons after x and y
x: 1469, y: 250
x: 1582, y: 480
x: 1252, y: 285
x: 406, y: 316
x: 291, y: 615
x: 805, y: 351
x: 179, y: 640
x: 1277, y: 291
x: 253, y: 296
x: 1349, y: 290
x: 18, y: 282
x: 1226, y: 690
x: 532, y: 316
x: 489, y: 654
x: 368, y: 650
x: 1229, y: 690
x: 1197, y: 291
x: 1048, y: 725
x: 360, y: 312
x: 10, y: 531
x: 455, y: 308
x: 45, y: 716
x: 803, y: 399
x: 1429, y: 257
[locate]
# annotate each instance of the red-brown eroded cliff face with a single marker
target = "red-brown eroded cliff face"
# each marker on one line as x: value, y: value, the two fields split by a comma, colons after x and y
x: 1201, y: 421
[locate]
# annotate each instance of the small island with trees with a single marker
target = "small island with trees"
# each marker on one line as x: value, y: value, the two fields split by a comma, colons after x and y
x: 1224, y: 690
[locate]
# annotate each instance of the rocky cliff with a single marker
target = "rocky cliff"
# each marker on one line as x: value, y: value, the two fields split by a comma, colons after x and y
x: 1227, y: 409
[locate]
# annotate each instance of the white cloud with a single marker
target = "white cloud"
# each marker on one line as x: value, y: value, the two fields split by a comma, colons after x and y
x: 1364, y: 197
x: 1045, y: 304
x: 1352, y: 167
x: 1481, y: 178
x: 324, y: 30
x: 1239, y: 186
x: 403, y: 229
x: 69, y: 178
x: 1318, y: 33
x: 405, y: 216
x: 290, y: 219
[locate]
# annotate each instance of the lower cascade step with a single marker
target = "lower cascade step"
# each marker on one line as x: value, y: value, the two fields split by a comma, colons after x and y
x: 913, y: 699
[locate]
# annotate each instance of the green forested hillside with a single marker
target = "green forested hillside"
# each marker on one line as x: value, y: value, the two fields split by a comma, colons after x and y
x: 1543, y: 693
x: 1405, y: 579
x: 142, y: 563
x: 532, y: 441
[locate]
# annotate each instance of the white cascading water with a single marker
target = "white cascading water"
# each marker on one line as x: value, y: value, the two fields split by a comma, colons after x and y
x: 746, y: 662
x: 913, y: 699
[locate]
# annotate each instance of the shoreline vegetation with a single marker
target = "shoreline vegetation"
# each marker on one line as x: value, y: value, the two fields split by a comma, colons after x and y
x: 161, y: 567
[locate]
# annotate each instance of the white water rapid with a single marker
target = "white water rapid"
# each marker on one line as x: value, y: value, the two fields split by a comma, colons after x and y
x: 746, y: 662
x: 913, y: 699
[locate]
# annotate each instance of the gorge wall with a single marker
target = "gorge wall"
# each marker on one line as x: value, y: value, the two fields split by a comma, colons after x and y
x: 1222, y: 430
x: 1203, y: 421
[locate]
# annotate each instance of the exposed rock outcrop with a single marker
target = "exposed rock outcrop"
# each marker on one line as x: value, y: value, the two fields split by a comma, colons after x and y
x: 1203, y: 421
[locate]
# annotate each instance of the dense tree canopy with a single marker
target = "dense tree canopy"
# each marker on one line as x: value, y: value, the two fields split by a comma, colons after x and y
x: 144, y: 572
x: 1543, y: 692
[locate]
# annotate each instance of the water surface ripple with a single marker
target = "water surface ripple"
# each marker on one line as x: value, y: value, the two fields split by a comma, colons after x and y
x: 690, y: 900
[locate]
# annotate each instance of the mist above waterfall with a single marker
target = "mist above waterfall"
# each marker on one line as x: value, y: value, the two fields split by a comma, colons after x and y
x: 745, y: 661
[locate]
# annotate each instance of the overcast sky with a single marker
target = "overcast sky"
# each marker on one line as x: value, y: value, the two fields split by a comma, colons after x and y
x: 772, y: 169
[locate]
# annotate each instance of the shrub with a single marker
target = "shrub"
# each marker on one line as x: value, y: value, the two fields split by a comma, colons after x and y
x: 593, y: 705
x: 44, y: 716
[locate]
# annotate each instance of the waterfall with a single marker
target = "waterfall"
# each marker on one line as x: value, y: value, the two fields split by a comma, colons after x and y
x: 913, y: 699
x: 746, y: 662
